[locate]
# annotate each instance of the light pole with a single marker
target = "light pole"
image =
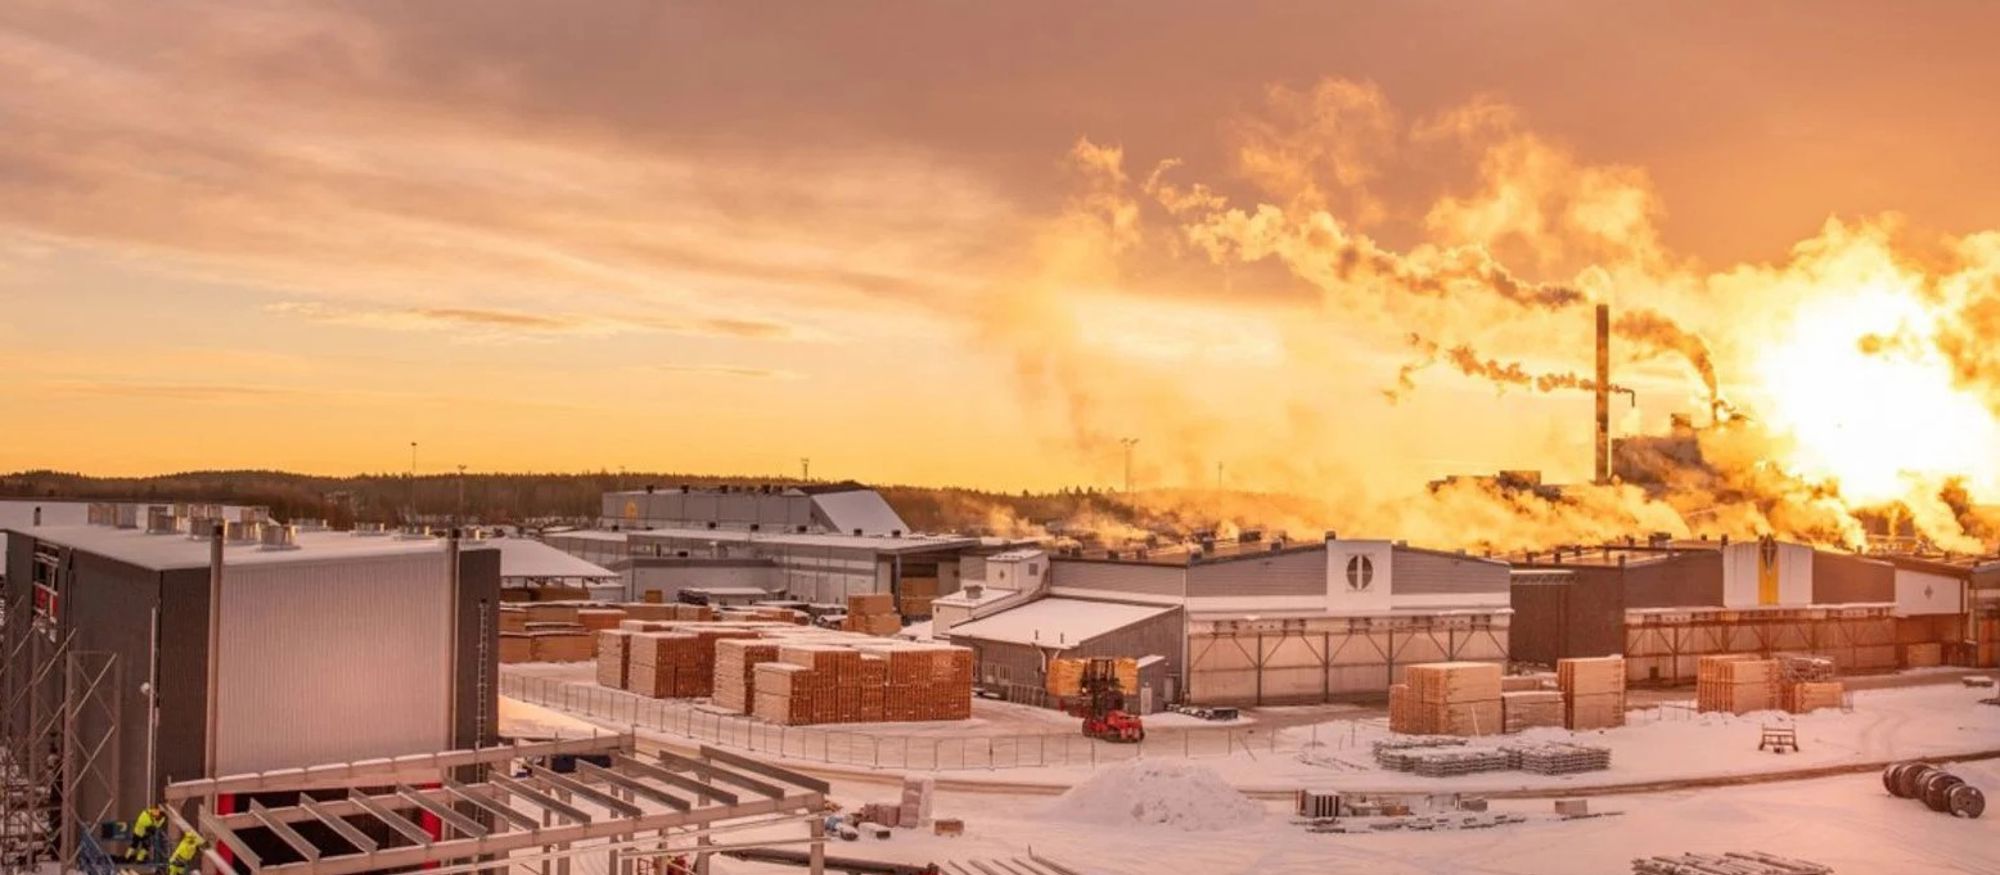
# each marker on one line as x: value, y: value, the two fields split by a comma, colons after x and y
x: 459, y: 521
x: 1128, y: 443
x: 805, y: 469
x: 413, y: 482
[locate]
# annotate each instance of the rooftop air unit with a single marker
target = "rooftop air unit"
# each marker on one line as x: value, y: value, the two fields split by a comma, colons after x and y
x: 370, y: 530
x: 414, y: 533
x: 201, y: 528
x: 279, y: 537
x: 240, y: 532
x: 161, y: 522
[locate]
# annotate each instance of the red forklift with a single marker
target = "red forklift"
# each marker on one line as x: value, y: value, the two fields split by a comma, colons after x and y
x: 1100, y: 701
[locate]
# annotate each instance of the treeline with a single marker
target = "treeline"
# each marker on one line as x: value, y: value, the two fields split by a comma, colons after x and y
x: 515, y: 498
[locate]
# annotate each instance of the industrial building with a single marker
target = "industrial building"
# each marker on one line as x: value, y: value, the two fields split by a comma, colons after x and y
x: 1664, y: 604
x: 144, y: 656
x: 819, y: 568
x: 1248, y: 623
x: 845, y: 508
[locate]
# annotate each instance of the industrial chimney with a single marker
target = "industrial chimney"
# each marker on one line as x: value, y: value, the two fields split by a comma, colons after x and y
x: 1602, y: 473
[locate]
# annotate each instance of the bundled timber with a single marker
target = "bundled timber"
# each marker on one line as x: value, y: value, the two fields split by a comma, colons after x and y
x: 1737, y: 684
x: 516, y: 647
x: 613, y: 666
x: 1530, y: 709
x: 1593, y: 692
x: 736, y: 661
x: 1448, y: 698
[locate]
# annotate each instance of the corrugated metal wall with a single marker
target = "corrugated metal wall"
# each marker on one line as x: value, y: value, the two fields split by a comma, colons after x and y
x: 1850, y: 580
x: 1119, y: 577
x: 1680, y: 580
x: 331, y: 661
x: 1422, y: 572
x: 1291, y: 572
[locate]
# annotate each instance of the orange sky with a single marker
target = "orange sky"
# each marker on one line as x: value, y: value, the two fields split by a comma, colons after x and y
x: 708, y: 237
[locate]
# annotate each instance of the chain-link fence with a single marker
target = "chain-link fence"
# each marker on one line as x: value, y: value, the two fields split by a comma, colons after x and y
x: 887, y: 748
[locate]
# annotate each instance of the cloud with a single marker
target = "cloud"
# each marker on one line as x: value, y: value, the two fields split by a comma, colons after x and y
x: 729, y: 371
x: 487, y: 323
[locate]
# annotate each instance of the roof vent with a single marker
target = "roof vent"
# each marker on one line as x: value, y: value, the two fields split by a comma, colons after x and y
x: 974, y: 589
x: 240, y: 532
x: 370, y: 530
x: 414, y: 533
x: 895, y: 533
x: 649, y: 489
x: 160, y: 522
x: 1332, y: 535
x: 802, y: 529
x: 753, y: 527
x: 857, y: 533
x: 278, y: 537
x: 711, y: 524
x: 201, y: 528
x: 1277, y: 545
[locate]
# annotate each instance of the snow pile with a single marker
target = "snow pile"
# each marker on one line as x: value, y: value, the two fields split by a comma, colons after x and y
x: 1157, y: 792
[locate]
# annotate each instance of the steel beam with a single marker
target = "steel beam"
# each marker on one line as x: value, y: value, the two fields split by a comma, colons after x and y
x: 389, y: 818
x: 283, y: 831
x: 635, y: 788
x: 340, y: 827
x: 465, y: 825
x: 563, y: 782
x: 380, y: 772
x: 702, y: 791
x: 228, y: 837
x: 480, y: 801
x: 535, y: 797
x: 676, y: 761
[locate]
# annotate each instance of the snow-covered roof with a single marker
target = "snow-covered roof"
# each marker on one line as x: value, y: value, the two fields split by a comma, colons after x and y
x: 20, y: 514
x: 521, y: 557
x: 964, y: 597
x: 168, y: 552
x: 874, y: 543
x: 1057, y: 622
x: 862, y: 509
x: 1016, y: 555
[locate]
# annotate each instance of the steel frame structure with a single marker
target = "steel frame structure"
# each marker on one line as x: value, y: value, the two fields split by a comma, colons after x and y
x: 1329, y: 645
x: 1670, y: 641
x: 629, y: 811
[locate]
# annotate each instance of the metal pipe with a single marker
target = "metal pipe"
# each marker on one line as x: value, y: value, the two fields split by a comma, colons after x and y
x: 1601, y: 474
x: 209, y: 764
x: 451, y: 555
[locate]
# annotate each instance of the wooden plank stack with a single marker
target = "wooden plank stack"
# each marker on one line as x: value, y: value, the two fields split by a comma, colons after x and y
x: 1923, y: 655
x: 1593, y: 691
x: 1452, y: 698
x: 513, y: 618
x: 736, y: 661
x: 928, y: 682
x: 872, y: 614
x: 516, y: 647
x: 1065, y: 676
x: 655, y: 662
x: 917, y: 596
x: 1528, y: 709
x: 783, y: 693
x: 1736, y: 683
x: 571, y: 644
x: 613, y: 664
x: 549, y: 613
x: 1810, y: 696
x: 598, y: 619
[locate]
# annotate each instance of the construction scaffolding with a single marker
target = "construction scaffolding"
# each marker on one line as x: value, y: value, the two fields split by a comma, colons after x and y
x: 469, y: 810
x: 59, y: 719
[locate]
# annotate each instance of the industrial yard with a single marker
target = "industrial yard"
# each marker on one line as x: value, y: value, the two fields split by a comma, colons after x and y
x: 1028, y: 438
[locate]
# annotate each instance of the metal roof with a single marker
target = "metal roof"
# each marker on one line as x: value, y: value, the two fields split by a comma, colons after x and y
x: 1060, y: 623
x: 168, y: 552
x: 874, y: 543
x: 524, y: 558
x: 862, y: 510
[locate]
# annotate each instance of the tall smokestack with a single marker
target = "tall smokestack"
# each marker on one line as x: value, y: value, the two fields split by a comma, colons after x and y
x: 1602, y: 473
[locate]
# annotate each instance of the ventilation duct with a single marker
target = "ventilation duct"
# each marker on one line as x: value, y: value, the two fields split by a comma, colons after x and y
x: 278, y: 537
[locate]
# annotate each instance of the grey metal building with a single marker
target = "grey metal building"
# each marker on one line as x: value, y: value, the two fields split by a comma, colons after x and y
x: 1012, y: 649
x: 824, y: 568
x: 844, y: 508
x: 325, y: 647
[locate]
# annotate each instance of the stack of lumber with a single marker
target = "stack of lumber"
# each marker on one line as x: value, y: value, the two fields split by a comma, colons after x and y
x: 598, y: 619
x: 613, y: 666
x: 516, y: 594
x: 1451, y: 698
x: 872, y: 614
x: 1736, y: 683
x: 560, y: 593
x: 783, y: 694
x: 655, y: 661
x: 1065, y: 676
x: 650, y: 611
x: 1923, y: 655
x: 917, y: 595
x: 736, y: 661
x: 541, y: 613
x: 513, y: 619
x: 1810, y: 696
x: 1531, y: 708
x: 560, y: 643
x: 918, y: 791
x: 1593, y: 691
x: 516, y: 647
x: 874, y: 687
x: 927, y: 682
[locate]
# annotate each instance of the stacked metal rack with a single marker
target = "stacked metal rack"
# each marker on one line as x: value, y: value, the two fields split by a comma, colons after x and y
x: 1731, y: 863
x: 1556, y: 758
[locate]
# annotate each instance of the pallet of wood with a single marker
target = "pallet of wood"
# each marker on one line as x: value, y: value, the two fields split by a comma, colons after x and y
x: 613, y: 665
x: 516, y: 647
x: 736, y: 661
x: 872, y: 614
x: 549, y: 613
x: 598, y: 619
x: 561, y: 645
x: 1737, y: 683
x: 1924, y: 655
x: 1810, y: 696
x: 655, y: 663
x: 1065, y: 676
x: 783, y: 694
x: 1453, y: 698
x: 1593, y: 691
x: 1528, y: 709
